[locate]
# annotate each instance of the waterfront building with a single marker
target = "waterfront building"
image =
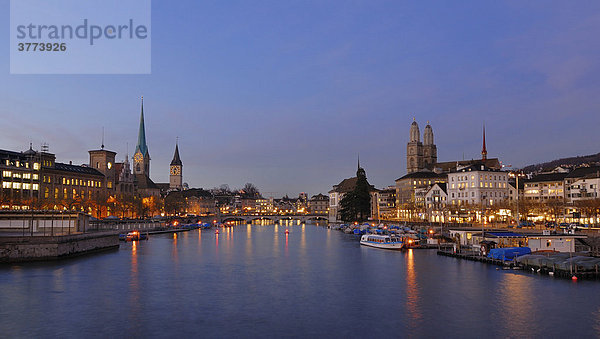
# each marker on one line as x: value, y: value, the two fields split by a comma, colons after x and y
x: 264, y: 206
x: 436, y: 200
x: 386, y: 203
x: 319, y: 204
x: 574, y: 176
x: 477, y: 185
x: 20, y: 179
x: 345, y: 186
x: 545, y: 186
x: 585, y: 188
x: 407, y: 185
x: 34, y: 179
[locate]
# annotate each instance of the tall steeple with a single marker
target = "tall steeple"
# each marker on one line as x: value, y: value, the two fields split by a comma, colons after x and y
x: 483, y: 149
x: 141, y: 144
x: 141, y: 156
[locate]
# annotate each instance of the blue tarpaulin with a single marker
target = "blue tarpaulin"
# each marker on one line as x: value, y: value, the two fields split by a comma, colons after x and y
x: 508, y: 253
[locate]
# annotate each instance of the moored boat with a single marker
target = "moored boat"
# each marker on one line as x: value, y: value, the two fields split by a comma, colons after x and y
x: 382, y: 241
x: 134, y: 236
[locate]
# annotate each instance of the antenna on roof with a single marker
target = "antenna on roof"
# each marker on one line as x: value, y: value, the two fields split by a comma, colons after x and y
x: 102, y: 146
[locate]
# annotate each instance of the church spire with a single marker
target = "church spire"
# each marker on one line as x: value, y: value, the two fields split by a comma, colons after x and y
x: 176, y: 160
x: 483, y: 149
x: 141, y: 144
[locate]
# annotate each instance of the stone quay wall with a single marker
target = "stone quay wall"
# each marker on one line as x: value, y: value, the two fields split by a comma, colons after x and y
x: 19, y: 249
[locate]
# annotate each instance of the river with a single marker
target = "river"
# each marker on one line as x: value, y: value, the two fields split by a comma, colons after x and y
x: 256, y: 281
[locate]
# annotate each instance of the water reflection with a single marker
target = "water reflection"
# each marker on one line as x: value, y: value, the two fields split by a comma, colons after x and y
x: 412, y: 289
x: 286, y: 245
x: 516, y: 306
x: 276, y: 239
x: 174, y: 253
x: 217, y: 243
x: 303, y: 240
x: 134, y: 287
x: 199, y: 247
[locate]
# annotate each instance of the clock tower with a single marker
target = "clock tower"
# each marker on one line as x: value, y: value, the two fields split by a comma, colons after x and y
x: 176, y: 169
x: 141, y: 157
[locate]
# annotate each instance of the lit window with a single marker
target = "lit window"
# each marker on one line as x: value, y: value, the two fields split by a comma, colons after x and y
x: 26, y: 186
x: 36, y: 187
x: 16, y: 185
x: 7, y: 174
x: 36, y: 166
x: 6, y: 184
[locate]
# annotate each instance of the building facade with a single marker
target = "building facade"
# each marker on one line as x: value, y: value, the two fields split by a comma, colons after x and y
x: 318, y: 204
x: 477, y: 185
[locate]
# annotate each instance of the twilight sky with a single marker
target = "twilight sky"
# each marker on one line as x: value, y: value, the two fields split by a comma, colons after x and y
x: 284, y: 94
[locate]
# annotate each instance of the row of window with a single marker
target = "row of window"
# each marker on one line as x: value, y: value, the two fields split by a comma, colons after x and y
x: 19, y: 175
x: 17, y: 163
x: 18, y: 185
x: 488, y: 194
x: 481, y: 177
x: 65, y: 193
x: 481, y: 184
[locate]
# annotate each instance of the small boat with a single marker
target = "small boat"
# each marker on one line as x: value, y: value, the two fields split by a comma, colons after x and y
x: 135, y: 235
x: 382, y: 241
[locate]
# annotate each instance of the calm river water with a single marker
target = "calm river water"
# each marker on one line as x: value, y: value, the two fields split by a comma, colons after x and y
x: 254, y: 281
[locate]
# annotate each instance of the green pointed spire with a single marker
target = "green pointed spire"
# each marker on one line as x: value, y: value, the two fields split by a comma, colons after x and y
x: 141, y: 144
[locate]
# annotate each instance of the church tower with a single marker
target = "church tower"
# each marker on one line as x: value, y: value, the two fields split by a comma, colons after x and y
x: 141, y: 157
x: 414, y: 150
x: 429, y: 148
x: 176, y: 173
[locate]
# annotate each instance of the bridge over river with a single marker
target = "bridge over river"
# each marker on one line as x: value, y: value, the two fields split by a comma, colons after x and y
x: 303, y: 218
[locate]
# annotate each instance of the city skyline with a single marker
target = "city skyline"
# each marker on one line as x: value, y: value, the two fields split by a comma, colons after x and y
x: 293, y: 112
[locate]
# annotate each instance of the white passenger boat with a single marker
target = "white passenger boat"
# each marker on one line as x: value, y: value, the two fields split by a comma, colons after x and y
x: 382, y: 241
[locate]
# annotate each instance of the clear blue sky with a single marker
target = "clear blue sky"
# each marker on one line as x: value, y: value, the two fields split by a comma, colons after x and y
x: 284, y: 94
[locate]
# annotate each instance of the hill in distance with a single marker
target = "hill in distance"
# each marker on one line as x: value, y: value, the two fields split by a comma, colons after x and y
x: 564, y: 162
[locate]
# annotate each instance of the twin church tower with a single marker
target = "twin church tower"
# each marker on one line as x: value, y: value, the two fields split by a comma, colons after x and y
x: 420, y: 155
x: 141, y: 160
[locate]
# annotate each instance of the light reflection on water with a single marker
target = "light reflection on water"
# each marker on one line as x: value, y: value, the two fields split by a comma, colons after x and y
x: 412, y: 288
x: 316, y: 282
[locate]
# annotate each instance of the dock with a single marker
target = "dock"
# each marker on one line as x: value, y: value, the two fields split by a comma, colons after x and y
x: 571, y: 273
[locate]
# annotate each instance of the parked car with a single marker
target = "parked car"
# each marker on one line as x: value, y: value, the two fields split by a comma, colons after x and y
x: 550, y: 224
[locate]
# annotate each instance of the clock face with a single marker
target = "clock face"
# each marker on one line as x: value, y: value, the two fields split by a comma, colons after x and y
x: 109, y: 165
x: 175, y: 170
x: 138, y: 157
